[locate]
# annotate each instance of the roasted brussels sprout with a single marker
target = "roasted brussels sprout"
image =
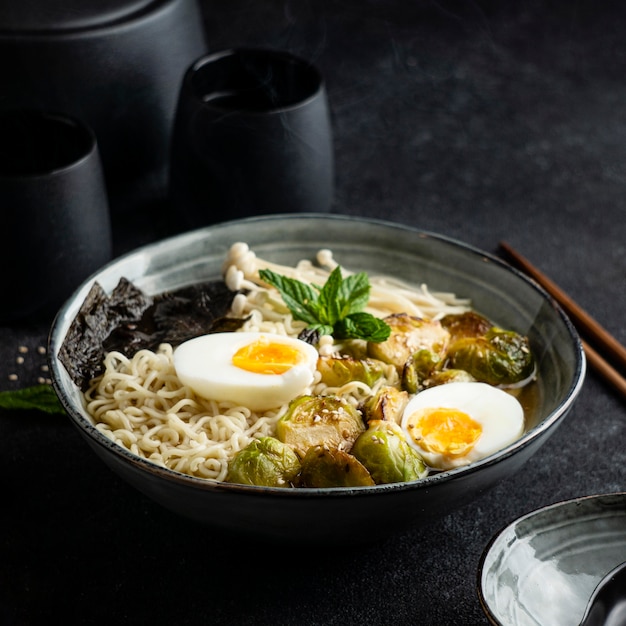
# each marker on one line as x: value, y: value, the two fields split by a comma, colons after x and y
x: 387, y: 404
x: 500, y: 357
x: 319, y: 420
x: 417, y: 368
x: 384, y: 451
x: 409, y: 335
x: 325, y: 467
x: 441, y: 377
x: 265, y: 461
x: 339, y: 370
x: 467, y: 324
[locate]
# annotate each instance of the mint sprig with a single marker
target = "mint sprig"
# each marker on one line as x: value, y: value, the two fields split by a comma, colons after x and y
x: 336, y: 308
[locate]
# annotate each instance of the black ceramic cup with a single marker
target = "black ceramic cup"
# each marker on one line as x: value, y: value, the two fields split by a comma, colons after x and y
x: 115, y: 64
x: 53, y: 209
x: 252, y: 136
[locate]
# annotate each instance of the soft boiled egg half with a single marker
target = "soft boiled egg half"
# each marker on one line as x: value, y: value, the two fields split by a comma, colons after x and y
x: 258, y: 370
x: 459, y: 423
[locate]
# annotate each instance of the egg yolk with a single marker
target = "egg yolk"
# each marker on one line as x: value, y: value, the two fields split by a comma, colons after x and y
x: 265, y: 357
x: 444, y: 431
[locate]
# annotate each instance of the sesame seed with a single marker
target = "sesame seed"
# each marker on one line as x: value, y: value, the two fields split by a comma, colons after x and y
x: 19, y: 360
x: 41, y: 350
x: 12, y: 376
x: 23, y: 349
x: 44, y: 368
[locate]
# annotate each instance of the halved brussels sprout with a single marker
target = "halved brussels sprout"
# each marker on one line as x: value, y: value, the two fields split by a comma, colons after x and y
x: 387, y: 404
x: 442, y: 377
x: 467, y: 324
x: 326, y: 467
x: 319, y: 420
x: 417, y: 368
x: 339, y: 370
x: 409, y: 335
x: 384, y: 451
x: 500, y: 357
x: 265, y: 461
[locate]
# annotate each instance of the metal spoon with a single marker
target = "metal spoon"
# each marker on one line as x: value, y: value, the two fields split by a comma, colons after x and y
x: 607, y: 605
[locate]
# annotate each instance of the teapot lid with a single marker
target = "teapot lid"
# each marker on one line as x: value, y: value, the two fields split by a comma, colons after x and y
x: 34, y: 16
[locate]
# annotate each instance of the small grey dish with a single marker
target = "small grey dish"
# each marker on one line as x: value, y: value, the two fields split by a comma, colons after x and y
x: 545, y: 566
x: 377, y: 247
x: 607, y: 605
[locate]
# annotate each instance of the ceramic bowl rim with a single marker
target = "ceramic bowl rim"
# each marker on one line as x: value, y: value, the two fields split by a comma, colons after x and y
x: 122, y: 454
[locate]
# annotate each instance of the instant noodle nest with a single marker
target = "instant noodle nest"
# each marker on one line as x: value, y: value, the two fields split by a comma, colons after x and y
x: 379, y: 248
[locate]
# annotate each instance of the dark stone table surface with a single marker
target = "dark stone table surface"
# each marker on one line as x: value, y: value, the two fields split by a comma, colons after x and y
x: 480, y: 120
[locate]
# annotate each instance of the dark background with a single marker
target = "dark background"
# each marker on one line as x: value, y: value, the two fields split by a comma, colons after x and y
x: 478, y: 120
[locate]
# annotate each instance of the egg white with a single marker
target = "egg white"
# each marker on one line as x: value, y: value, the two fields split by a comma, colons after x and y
x: 205, y: 365
x: 500, y: 415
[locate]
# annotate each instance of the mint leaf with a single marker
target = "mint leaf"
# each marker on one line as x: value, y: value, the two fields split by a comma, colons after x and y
x: 355, y: 293
x: 322, y: 329
x: 300, y: 298
x: 330, y: 306
x: 39, y: 397
x: 363, y: 326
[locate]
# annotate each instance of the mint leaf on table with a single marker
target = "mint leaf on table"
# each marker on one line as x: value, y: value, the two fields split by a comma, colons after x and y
x: 38, y: 397
x: 335, y: 308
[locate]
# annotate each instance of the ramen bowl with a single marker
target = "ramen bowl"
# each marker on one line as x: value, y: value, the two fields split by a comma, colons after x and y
x: 377, y: 247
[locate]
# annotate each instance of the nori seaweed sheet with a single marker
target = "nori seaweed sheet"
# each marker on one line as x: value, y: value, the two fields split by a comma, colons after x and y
x: 128, y: 320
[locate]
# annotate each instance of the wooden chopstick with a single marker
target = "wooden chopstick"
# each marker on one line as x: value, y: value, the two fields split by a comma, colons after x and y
x: 607, y: 372
x: 584, y: 323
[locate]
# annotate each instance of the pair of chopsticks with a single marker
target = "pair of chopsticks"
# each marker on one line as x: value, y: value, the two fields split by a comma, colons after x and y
x: 583, y: 322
